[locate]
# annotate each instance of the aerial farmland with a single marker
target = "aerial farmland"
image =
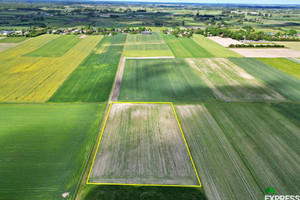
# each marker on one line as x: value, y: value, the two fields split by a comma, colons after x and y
x: 149, y: 101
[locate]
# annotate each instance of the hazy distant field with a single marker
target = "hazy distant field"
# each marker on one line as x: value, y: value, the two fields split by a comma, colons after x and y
x: 146, y: 46
x: 185, y: 47
x: 35, y: 79
x: 44, y: 148
x: 93, y: 79
x: 285, y: 84
x: 234, y: 145
x: 162, y: 80
x: 231, y: 83
x: 142, y: 144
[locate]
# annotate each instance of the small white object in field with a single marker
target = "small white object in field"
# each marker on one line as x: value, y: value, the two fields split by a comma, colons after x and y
x: 66, y: 194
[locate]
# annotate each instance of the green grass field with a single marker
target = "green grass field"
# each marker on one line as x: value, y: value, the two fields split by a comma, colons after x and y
x: 284, y: 83
x: 241, y: 149
x: 185, y: 47
x: 93, y: 79
x: 285, y: 65
x: 139, y: 45
x: 162, y: 80
x: 44, y: 148
x: 56, y: 48
x: 13, y: 39
x: 214, y: 48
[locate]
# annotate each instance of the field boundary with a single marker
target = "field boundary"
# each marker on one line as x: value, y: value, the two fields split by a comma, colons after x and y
x: 127, y: 184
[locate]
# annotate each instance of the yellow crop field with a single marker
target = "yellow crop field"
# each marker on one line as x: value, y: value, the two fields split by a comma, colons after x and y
x: 35, y: 79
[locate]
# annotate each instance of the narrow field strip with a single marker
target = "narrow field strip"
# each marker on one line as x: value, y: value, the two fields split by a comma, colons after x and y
x: 283, y: 83
x: 229, y: 82
x: 185, y: 47
x: 55, y: 47
x: 37, y: 80
x: 148, y: 148
x: 214, y: 48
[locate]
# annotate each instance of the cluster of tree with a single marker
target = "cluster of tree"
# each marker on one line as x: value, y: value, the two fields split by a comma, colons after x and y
x: 258, y: 45
x: 135, y: 30
x: 248, y: 33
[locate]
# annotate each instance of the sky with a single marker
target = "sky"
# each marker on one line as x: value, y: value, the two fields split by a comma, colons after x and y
x: 220, y: 1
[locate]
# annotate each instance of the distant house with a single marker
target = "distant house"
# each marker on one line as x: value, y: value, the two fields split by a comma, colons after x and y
x: 146, y: 32
x: 6, y: 32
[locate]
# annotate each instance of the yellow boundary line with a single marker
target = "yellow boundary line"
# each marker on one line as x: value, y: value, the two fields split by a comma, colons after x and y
x: 128, y: 184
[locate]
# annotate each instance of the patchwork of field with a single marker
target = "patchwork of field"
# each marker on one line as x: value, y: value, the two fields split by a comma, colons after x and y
x: 214, y: 48
x: 267, y: 53
x: 142, y: 144
x: 185, y: 47
x: 225, y: 42
x: 285, y: 65
x: 35, y: 79
x: 241, y: 149
x: 162, y: 80
x: 231, y: 83
x: 13, y: 39
x: 291, y: 45
x: 93, y: 79
x: 57, y: 47
x: 153, y: 45
x: 283, y: 83
x: 44, y: 148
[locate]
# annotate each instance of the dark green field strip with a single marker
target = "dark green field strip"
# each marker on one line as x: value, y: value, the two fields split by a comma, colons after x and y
x: 44, y: 148
x: 266, y: 140
x: 185, y: 47
x: 242, y: 149
x: 56, y: 47
x: 93, y: 79
x: 292, y: 111
x: 13, y: 39
x: 162, y: 80
x: 285, y: 84
x: 222, y: 172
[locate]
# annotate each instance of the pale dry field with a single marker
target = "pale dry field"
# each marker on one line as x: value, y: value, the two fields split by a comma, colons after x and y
x: 231, y: 83
x: 224, y: 41
x: 142, y: 144
x: 267, y: 53
x: 4, y: 46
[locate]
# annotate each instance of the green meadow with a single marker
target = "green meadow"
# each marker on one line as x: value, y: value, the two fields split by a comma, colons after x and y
x: 44, y: 148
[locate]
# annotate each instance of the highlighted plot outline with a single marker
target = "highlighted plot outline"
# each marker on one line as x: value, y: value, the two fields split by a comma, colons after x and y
x: 136, y: 184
